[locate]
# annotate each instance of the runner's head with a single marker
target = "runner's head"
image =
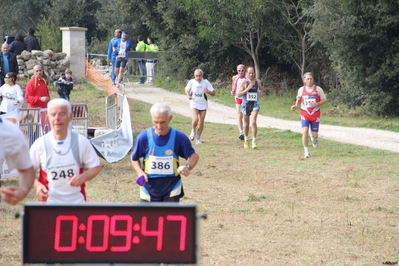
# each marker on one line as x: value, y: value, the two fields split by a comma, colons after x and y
x: 161, y: 115
x: 59, y: 115
x: 198, y: 74
x: 308, y: 79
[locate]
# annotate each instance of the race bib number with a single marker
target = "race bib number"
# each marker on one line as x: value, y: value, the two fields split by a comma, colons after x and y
x: 122, y: 54
x: 160, y: 165
x: 198, y: 95
x: 308, y: 100
x: 252, y: 96
x: 59, y: 175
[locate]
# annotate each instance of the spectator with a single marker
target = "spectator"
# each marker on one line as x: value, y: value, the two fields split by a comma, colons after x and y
x: 111, y: 57
x: 18, y: 45
x: 12, y: 94
x: 8, y: 62
x: 65, y: 85
x: 153, y: 48
x: 15, y: 151
x: 32, y: 43
x: 37, y: 93
x: 141, y: 47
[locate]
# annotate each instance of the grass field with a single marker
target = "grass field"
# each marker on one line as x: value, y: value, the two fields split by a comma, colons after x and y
x: 267, y: 206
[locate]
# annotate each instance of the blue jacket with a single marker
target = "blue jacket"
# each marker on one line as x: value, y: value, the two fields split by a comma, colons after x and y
x: 111, y: 44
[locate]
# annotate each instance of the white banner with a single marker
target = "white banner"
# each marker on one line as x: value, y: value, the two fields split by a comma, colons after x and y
x: 115, y: 144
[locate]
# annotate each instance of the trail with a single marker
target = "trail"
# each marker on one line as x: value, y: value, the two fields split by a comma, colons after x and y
x: 218, y: 113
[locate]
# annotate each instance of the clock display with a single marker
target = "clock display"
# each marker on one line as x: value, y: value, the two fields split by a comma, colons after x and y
x: 110, y: 233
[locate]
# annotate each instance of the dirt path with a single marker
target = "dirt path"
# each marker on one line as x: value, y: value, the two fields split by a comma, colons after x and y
x: 218, y: 113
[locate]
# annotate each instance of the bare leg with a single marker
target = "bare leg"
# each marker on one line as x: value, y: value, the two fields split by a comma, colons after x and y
x: 194, y: 118
x: 120, y: 76
x: 239, y: 117
x: 254, y: 118
x: 201, y: 120
x: 305, y: 136
x: 246, y: 124
x: 117, y: 74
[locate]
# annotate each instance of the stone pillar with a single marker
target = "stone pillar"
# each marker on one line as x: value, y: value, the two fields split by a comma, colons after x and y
x: 74, y: 45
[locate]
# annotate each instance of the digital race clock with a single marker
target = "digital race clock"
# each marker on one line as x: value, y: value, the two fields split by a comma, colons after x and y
x: 110, y: 233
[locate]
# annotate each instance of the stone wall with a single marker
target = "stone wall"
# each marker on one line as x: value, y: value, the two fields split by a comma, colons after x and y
x: 54, y: 64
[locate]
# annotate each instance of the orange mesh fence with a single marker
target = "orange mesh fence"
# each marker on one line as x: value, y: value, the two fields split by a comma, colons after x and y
x: 99, y: 79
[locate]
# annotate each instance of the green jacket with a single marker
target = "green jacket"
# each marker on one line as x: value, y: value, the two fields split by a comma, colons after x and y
x: 141, y: 46
x: 152, y: 48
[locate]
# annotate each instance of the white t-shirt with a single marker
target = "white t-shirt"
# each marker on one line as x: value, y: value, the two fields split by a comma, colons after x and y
x: 11, y: 94
x: 13, y: 147
x: 63, y: 166
x: 196, y: 90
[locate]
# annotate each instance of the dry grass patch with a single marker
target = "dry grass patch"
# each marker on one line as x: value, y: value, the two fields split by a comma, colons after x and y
x: 267, y: 206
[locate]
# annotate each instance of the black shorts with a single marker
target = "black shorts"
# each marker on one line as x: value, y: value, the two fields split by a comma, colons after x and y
x: 120, y: 62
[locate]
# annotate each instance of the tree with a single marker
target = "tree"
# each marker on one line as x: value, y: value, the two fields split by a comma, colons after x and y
x: 18, y: 16
x: 78, y: 13
x: 362, y: 39
x: 241, y: 23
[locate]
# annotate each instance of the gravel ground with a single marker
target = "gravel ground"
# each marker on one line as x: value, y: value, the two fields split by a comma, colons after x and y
x: 218, y: 113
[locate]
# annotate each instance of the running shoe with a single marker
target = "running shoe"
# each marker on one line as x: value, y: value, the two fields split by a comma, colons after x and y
x: 192, y: 135
x: 246, y: 144
x: 315, y: 143
x: 241, y: 136
x: 254, y: 145
x: 198, y: 141
x: 307, y: 155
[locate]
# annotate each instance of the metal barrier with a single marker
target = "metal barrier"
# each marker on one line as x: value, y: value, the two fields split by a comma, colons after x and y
x: 131, y: 70
x: 29, y: 123
x: 111, y: 120
x: 80, y: 119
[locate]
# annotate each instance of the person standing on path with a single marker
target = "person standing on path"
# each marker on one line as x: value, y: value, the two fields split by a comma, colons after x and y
x: 160, y: 146
x: 111, y: 57
x: 31, y: 41
x: 250, y: 91
x: 153, y: 48
x: 8, y: 62
x: 237, y: 81
x: 310, y: 97
x: 37, y: 94
x: 141, y: 47
x: 196, y: 91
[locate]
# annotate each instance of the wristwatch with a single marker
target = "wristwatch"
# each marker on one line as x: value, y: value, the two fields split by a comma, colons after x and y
x: 189, y: 167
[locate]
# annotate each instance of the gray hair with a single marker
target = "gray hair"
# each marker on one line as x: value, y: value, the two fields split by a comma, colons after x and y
x: 160, y: 108
x: 199, y: 70
x: 60, y: 102
x: 308, y: 74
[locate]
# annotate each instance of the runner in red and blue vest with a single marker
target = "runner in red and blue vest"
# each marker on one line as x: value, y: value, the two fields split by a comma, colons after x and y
x: 310, y: 97
x: 237, y: 81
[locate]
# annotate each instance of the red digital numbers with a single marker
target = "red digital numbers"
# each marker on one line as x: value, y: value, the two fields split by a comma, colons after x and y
x: 183, y: 227
x: 158, y: 233
x: 127, y: 232
x: 60, y: 223
x: 111, y: 226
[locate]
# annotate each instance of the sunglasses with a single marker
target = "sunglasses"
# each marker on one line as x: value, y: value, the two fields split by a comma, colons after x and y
x: 240, y: 70
x: 6, y: 77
